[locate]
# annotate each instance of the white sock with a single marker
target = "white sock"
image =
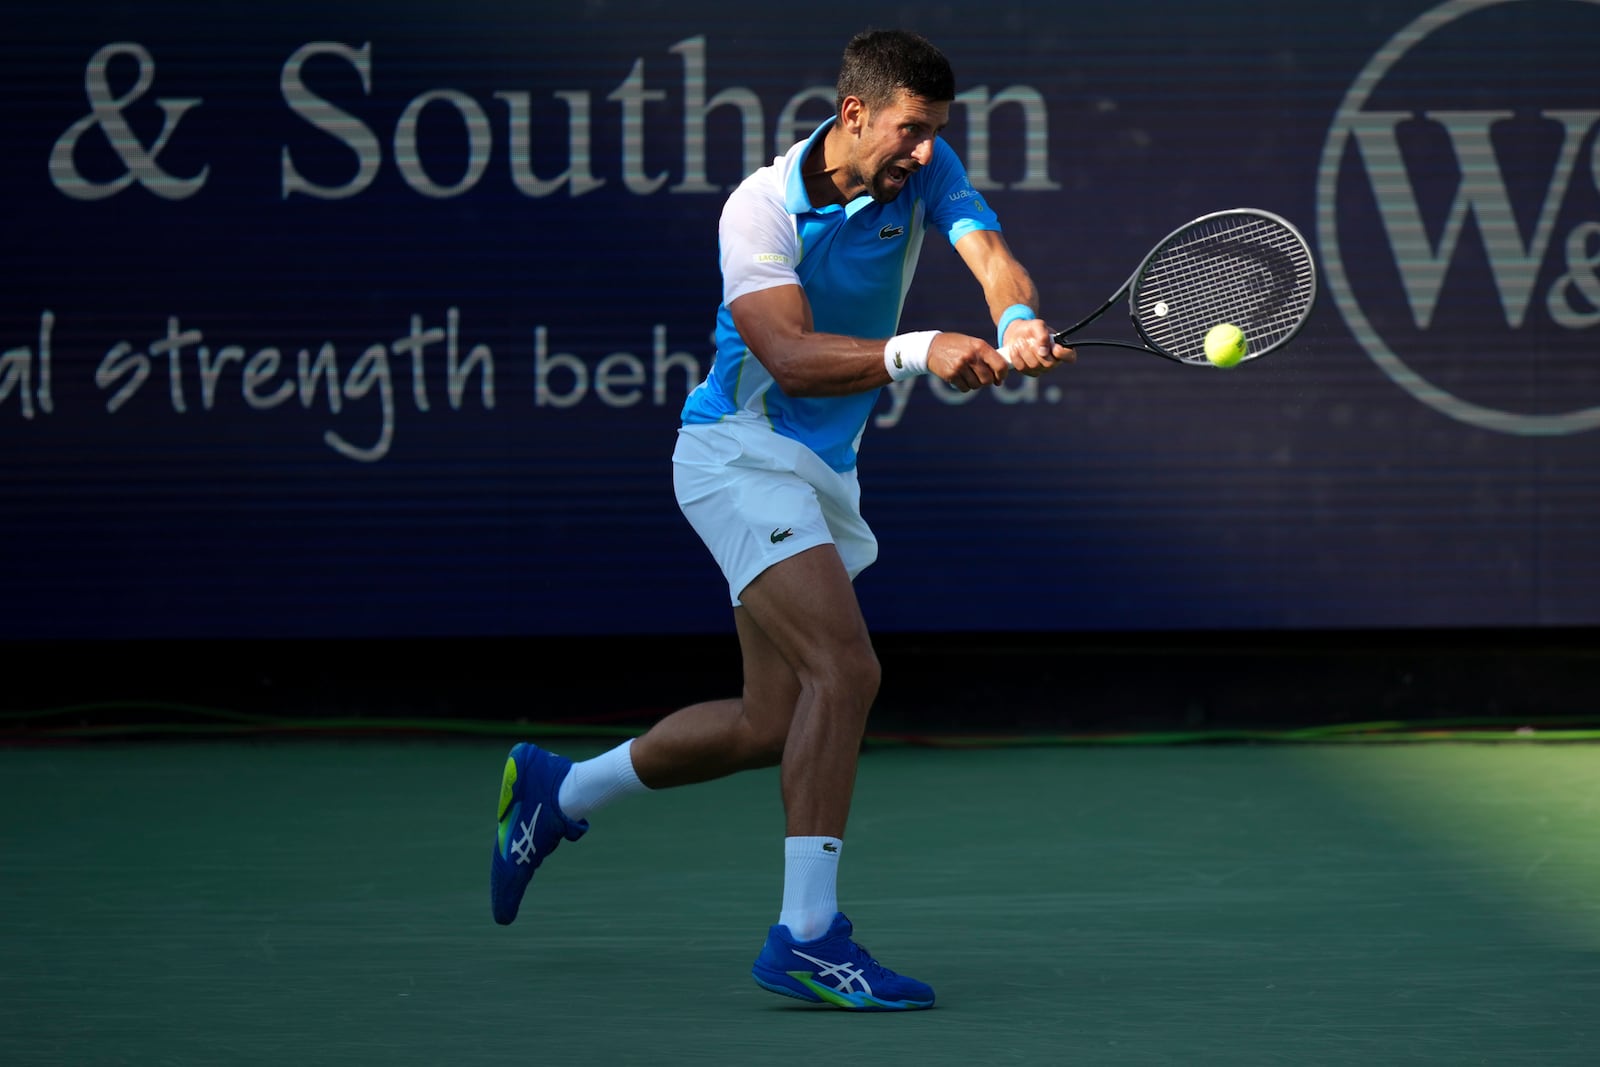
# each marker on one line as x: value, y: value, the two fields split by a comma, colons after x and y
x: 594, y: 783
x: 810, y: 885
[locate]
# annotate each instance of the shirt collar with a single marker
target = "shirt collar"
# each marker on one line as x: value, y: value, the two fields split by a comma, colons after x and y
x: 796, y: 199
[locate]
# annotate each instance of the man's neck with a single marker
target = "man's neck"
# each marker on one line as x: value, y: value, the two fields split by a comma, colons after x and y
x: 827, y: 178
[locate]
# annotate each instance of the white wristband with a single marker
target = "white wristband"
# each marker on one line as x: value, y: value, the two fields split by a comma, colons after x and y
x: 906, y: 354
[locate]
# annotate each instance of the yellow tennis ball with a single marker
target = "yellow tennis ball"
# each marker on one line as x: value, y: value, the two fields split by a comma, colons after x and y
x: 1225, y: 345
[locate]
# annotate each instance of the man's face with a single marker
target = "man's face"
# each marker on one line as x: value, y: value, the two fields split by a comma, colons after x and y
x: 896, y: 140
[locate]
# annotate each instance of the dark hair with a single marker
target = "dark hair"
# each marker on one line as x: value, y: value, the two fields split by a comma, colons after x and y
x: 879, y: 63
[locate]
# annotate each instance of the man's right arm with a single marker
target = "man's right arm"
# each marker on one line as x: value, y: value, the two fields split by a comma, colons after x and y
x: 776, y: 326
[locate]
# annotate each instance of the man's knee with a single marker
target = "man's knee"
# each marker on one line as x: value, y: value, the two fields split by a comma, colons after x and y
x: 848, y: 675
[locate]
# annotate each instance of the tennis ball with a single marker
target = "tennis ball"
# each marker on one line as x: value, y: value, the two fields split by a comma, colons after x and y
x: 1225, y: 345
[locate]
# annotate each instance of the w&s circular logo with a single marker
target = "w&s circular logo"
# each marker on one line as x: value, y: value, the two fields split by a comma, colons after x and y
x: 1458, y: 212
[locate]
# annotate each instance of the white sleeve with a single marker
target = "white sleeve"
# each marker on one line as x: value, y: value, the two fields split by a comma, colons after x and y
x: 757, y: 239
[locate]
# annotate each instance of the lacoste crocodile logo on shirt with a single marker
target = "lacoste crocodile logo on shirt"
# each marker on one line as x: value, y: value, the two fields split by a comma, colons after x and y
x: 781, y: 535
x: 891, y: 231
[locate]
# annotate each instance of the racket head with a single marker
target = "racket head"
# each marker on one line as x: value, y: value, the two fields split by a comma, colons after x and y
x: 1244, y: 265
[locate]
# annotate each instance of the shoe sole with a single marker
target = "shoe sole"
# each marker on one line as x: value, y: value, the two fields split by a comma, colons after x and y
x: 507, y: 812
x: 508, y: 787
x: 817, y: 993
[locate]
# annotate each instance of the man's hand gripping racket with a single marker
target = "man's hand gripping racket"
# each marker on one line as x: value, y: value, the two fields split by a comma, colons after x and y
x: 1244, y: 266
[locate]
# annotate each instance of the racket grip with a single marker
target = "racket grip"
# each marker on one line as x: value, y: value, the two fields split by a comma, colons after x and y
x: 1058, y: 338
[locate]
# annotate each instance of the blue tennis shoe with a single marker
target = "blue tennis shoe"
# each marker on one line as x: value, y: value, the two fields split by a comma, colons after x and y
x: 835, y: 970
x: 531, y: 825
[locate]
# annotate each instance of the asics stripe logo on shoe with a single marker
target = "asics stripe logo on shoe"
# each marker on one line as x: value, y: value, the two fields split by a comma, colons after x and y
x: 523, y: 846
x: 844, y: 975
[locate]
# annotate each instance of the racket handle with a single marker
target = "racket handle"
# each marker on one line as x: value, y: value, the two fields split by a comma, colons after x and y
x: 1059, y: 338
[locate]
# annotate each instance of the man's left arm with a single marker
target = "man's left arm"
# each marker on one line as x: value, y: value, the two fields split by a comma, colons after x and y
x: 1007, y: 285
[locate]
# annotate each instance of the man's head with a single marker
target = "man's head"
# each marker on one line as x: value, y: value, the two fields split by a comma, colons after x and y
x: 895, y: 90
x: 879, y: 63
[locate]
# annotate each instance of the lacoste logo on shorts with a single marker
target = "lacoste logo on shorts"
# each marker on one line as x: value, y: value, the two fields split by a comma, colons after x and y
x: 781, y: 535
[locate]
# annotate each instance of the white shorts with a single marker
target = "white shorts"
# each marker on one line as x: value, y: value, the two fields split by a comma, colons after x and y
x: 756, y: 497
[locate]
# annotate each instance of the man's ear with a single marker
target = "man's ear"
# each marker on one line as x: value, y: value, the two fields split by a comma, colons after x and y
x: 853, y: 115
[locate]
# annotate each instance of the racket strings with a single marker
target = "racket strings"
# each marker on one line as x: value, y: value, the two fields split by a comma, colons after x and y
x: 1250, y: 270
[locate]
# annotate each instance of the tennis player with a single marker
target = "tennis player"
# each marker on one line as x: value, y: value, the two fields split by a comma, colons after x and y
x: 817, y: 253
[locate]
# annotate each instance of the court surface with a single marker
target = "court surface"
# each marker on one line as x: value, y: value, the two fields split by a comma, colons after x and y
x: 325, y: 902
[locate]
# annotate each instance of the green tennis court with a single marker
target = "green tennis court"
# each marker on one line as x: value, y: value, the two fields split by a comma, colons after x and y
x: 310, y: 902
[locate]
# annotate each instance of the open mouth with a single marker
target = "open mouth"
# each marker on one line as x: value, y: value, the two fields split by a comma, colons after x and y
x: 897, y: 175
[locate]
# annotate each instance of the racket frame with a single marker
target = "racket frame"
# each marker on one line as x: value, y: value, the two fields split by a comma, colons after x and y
x: 1128, y: 289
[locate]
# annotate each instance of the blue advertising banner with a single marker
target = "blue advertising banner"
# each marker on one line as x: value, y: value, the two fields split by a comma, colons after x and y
x: 374, y: 320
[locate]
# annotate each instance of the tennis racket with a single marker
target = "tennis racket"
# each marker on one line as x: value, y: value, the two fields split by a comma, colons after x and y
x: 1244, y: 266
